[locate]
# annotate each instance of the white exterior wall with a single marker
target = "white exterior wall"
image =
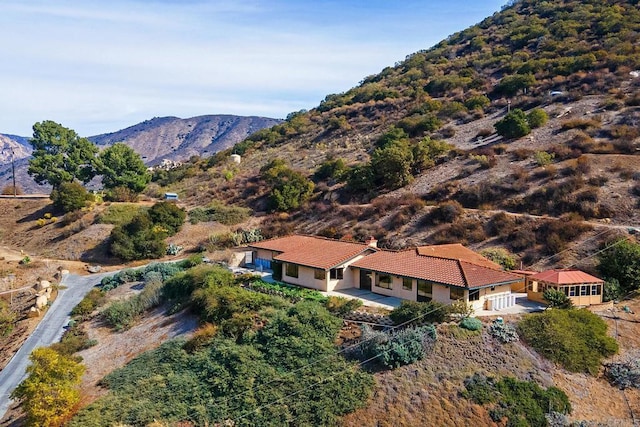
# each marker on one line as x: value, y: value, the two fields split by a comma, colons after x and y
x: 441, y: 294
x: 396, y: 288
x: 487, y: 292
x: 305, y: 278
x: 351, y: 276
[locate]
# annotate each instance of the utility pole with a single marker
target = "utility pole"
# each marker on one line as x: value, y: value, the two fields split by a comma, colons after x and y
x: 13, y: 171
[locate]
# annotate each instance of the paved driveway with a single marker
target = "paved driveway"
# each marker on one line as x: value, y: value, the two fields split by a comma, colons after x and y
x: 48, y: 331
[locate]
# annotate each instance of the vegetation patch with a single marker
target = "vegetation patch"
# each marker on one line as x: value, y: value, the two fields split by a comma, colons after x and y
x: 289, y: 292
x: 576, y: 339
x: 118, y: 214
x: 522, y: 403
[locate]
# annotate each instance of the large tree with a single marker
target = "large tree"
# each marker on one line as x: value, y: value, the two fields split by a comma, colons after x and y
x: 50, y: 393
x: 621, y: 261
x: 60, y: 155
x: 120, y: 166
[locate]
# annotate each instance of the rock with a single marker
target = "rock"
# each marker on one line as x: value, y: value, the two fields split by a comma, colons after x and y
x: 94, y: 269
x: 34, y: 312
x: 41, y: 301
x: 43, y: 285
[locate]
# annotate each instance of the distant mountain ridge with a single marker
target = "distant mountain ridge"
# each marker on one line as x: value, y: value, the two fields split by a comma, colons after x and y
x: 155, y: 139
x: 178, y: 139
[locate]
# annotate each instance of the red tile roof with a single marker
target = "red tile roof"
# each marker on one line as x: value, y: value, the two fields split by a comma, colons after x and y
x: 565, y: 277
x: 457, y: 251
x: 316, y: 252
x: 449, y: 271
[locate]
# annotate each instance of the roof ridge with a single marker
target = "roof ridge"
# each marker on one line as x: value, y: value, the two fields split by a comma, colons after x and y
x: 464, y: 274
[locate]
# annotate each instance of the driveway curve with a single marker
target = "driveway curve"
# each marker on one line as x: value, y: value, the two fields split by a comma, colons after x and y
x: 48, y: 331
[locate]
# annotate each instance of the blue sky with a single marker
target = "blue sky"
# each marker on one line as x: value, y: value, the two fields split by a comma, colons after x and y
x: 100, y: 66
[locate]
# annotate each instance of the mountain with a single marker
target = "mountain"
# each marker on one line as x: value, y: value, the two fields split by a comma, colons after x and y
x: 178, y: 139
x: 155, y: 139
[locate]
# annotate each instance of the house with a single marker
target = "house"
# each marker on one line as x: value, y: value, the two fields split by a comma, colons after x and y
x: 582, y: 288
x: 442, y: 273
x: 312, y: 262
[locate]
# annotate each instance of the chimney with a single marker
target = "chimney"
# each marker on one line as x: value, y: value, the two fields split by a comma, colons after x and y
x: 371, y: 241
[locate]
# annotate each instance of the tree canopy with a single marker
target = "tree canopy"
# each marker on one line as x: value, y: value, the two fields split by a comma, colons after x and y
x: 60, y: 155
x: 120, y: 166
x: 621, y: 262
x: 49, y: 393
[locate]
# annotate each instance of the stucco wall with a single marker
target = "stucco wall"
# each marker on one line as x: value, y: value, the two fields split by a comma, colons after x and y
x: 305, y: 278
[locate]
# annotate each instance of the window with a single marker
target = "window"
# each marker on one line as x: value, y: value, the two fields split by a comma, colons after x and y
x: 456, y: 293
x: 425, y: 291
x: 336, y: 273
x: 566, y: 290
x: 383, y: 281
x: 595, y: 289
x: 319, y: 274
x: 292, y: 270
x: 407, y: 283
x: 474, y: 295
x: 572, y: 291
x: 584, y: 290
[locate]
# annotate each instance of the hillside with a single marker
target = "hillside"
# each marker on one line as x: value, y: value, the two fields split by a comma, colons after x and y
x: 573, y: 60
x: 155, y: 139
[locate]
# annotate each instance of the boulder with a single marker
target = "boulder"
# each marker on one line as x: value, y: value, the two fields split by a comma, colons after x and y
x: 34, y: 312
x: 43, y: 285
x: 41, y: 301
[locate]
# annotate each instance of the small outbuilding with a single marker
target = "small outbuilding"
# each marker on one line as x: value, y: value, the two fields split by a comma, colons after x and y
x: 171, y: 196
x: 583, y: 289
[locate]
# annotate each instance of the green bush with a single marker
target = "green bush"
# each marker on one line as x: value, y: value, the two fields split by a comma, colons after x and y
x: 576, y: 339
x: 70, y: 196
x: 121, y: 315
x: 513, y: 125
x: 501, y: 256
x: 216, y: 211
x: 537, y: 117
x: 168, y: 216
x: 523, y: 403
x: 290, y: 292
x: 612, y: 290
x: 419, y: 312
x: 74, y: 339
x: 89, y: 303
x: 621, y: 261
x: 398, y: 348
x: 471, y: 323
x: 556, y: 299
x: 543, y: 158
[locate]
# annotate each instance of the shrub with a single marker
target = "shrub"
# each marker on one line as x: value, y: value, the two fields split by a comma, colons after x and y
x: 446, y: 212
x: 122, y: 314
x: 419, y: 312
x: 576, y: 339
x: 49, y: 394
x: 7, y: 319
x: 89, y: 303
x: 74, y: 339
x: 341, y: 306
x: 9, y: 190
x: 513, y: 125
x: 621, y: 261
x: 290, y: 292
x: 521, y: 402
x: 503, y: 332
x: 556, y: 299
x: 168, y: 216
x: 537, y: 117
x: 543, y: 158
x: 612, y: 290
x: 70, y: 196
x: 397, y: 348
x: 501, y: 256
x: 626, y: 373
x: 471, y: 323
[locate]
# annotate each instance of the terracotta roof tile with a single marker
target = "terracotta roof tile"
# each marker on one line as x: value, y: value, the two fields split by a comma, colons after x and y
x: 565, y: 277
x: 448, y: 271
x: 312, y: 251
x: 457, y: 251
